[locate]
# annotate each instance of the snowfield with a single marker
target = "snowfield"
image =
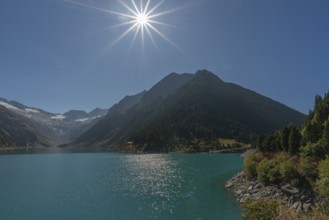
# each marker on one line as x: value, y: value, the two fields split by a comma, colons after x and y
x: 8, y: 106
x: 58, y: 117
x: 30, y: 110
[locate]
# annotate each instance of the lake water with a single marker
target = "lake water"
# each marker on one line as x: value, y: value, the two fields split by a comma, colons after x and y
x: 100, y: 186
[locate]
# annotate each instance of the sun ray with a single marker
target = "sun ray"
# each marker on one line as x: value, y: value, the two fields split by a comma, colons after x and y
x: 98, y: 9
x: 163, y: 24
x: 135, y: 6
x: 141, y: 10
x: 146, y: 6
x: 129, y: 9
x: 123, y: 35
x: 155, y: 8
x: 122, y: 24
x: 168, y: 11
x: 134, y: 38
x: 151, y: 37
x: 142, y: 37
x: 165, y: 38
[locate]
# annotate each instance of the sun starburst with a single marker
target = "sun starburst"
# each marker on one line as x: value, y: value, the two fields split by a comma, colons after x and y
x: 141, y: 19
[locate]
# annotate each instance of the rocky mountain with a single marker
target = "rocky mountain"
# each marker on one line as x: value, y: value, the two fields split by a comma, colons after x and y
x: 184, y: 109
x: 41, y: 127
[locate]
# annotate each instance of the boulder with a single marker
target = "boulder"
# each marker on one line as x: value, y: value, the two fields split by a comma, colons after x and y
x: 229, y: 184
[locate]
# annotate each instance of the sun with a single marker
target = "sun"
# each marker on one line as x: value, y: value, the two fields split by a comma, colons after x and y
x: 142, y: 19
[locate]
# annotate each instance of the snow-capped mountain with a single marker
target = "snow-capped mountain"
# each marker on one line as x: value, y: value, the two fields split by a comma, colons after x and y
x: 59, y: 128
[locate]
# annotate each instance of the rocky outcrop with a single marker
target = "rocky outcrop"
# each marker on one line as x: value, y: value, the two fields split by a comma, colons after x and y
x: 298, y: 198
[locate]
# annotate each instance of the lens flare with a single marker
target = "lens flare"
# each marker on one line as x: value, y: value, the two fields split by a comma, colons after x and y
x: 141, y: 19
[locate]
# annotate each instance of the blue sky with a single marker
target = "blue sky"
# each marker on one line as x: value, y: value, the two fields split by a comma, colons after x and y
x: 55, y: 55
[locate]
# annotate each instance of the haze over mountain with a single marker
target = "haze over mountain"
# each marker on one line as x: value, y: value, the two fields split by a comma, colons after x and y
x: 22, y: 125
x: 186, y: 108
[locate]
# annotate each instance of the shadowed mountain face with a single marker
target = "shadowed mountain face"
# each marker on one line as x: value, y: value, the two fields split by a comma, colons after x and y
x: 188, y: 107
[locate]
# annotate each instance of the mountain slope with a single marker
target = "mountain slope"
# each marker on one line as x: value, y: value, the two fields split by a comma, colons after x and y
x: 16, y: 130
x: 186, y: 107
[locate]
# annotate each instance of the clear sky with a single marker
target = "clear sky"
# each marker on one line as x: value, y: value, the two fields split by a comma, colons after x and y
x: 58, y: 56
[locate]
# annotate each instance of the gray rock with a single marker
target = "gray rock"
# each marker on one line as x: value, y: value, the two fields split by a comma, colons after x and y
x: 290, y: 190
x: 301, y: 200
x: 307, y: 206
x: 243, y: 200
x: 229, y: 184
x: 309, y: 201
x: 296, y: 205
x: 258, y: 186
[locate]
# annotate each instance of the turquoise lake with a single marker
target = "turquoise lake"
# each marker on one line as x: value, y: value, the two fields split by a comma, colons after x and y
x: 118, y: 186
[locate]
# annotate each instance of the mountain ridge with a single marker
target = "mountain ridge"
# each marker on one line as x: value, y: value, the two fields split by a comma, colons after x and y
x: 180, y: 111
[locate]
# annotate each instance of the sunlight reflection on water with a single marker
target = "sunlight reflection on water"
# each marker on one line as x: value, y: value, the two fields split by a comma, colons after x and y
x: 156, y: 176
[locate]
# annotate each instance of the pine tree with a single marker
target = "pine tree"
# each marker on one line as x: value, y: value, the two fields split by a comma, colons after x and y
x: 284, y: 139
x: 325, y: 137
x: 270, y: 143
x: 261, y: 142
x: 277, y: 136
x: 294, y: 140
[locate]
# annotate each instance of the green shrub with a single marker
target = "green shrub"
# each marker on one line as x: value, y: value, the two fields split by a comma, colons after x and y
x: 289, y: 173
x: 260, y: 209
x: 313, y: 150
x: 323, y: 182
x: 268, y: 171
x: 320, y: 213
x: 250, y: 163
x: 308, y: 168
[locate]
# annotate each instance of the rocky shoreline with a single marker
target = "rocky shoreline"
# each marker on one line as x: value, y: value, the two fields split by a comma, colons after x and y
x: 299, y: 199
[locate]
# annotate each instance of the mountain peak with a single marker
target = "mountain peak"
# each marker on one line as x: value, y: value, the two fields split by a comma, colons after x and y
x: 167, y: 85
x: 207, y: 74
x: 205, y: 71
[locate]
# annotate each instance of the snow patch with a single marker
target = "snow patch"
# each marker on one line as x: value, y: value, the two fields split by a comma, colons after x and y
x: 30, y: 110
x: 83, y: 119
x: 58, y: 117
x: 8, y: 106
x: 87, y: 119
